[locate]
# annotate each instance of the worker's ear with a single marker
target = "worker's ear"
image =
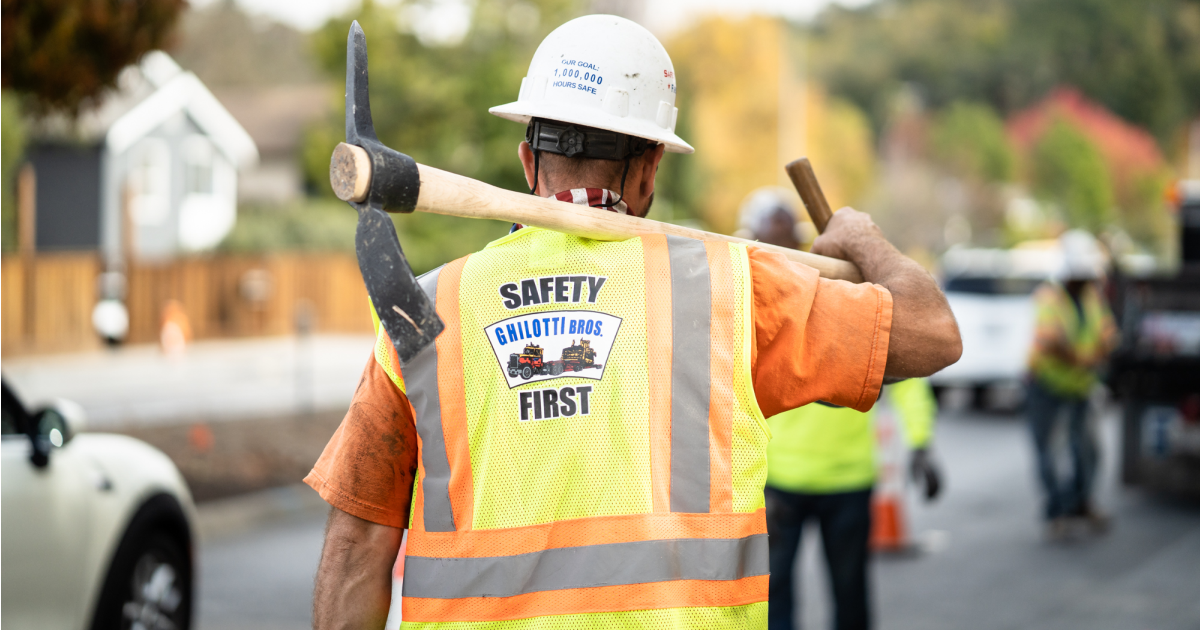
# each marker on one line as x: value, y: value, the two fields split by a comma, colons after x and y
x: 648, y: 165
x: 526, y: 155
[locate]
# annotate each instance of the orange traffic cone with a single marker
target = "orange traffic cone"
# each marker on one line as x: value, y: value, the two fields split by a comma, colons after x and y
x: 889, y: 527
x: 889, y: 522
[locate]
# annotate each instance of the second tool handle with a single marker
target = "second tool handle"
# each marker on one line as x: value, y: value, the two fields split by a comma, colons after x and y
x: 805, y: 181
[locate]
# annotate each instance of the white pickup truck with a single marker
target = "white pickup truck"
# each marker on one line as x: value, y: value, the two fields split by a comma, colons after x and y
x: 990, y: 292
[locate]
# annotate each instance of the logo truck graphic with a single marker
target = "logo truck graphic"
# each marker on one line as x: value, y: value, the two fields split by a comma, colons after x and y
x: 531, y: 361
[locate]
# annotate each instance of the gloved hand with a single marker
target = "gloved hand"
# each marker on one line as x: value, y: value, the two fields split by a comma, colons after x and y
x: 926, y: 473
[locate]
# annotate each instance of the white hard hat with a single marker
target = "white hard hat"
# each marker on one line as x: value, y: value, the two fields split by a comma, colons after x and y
x: 1082, y: 258
x: 761, y: 205
x: 602, y: 71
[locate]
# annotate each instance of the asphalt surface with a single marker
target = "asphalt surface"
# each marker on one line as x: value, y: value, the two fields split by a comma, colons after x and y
x: 985, y: 564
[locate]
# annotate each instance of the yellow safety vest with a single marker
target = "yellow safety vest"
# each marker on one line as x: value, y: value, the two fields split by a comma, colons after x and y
x: 823, y: 449
x: 591, y: 454
x: 1057, y: 316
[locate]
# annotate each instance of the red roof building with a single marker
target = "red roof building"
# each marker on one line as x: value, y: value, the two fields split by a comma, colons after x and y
x: 1128, y: 150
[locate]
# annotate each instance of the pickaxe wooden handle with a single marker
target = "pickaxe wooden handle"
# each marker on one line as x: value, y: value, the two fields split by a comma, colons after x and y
x: 805, y: 181
x: 374, y: 178
x: 455, y: 195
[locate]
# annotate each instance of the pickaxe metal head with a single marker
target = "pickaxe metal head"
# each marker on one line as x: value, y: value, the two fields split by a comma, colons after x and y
x: 405, y: 311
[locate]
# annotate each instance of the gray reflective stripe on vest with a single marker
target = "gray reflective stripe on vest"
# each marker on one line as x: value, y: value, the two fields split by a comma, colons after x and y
x: 691, y: 312
x: 614, y: 564
x: 421, y: 381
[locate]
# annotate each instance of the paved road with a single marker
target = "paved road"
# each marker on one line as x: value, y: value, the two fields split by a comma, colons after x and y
x: 212, y: 380
x: 991, y: 570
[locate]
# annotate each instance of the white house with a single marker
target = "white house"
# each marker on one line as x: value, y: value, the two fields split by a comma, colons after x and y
x: 150, y: 173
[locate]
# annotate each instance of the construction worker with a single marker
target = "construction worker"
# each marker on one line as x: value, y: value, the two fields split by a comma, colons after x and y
x: 626, y: 490
x: 1074, y: 334
x: 821, y: 465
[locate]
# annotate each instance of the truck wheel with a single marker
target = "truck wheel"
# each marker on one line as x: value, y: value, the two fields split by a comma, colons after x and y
x: 527, y: 372
x: 512, y: 372
x: 556, y: 369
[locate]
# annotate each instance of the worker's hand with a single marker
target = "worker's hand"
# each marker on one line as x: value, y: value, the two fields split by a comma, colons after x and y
x: 926, y: 473
x: 850, y: 235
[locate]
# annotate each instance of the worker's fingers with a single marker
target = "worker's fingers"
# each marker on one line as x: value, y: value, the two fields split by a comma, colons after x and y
x: 848, y: 232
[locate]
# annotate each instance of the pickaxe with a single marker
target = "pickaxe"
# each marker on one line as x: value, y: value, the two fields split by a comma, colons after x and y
x: 374, y: 178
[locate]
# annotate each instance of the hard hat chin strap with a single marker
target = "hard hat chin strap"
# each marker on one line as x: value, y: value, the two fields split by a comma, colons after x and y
x: 585, y: 142
x: 537, y: 162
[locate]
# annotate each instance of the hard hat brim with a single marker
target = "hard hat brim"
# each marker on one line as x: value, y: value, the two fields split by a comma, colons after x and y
x: 524, y: 111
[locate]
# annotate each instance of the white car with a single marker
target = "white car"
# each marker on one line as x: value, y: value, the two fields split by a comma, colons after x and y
x: 990, y: 292
x: 97, y: 529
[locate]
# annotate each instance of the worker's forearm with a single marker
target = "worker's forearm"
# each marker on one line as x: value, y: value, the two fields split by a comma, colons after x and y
x: 924, y: 337
x: 354, y: 582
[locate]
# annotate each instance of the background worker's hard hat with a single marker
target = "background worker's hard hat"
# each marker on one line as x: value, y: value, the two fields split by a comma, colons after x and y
x: 761, y: 206
x: 602, y: 71
x: 1082, y: 257
x: 768, y: 212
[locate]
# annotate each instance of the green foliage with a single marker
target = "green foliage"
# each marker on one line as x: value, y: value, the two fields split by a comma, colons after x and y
x: 12, y: 139
x: 328, y: 225
x: 678, y: 184
x: 431, y: 101
x: 1146, y: 218
x: 969, y: 140
x: 1140, y: 59
x: 1069, y: 171
x: 65, y: 53
x: 316, y: 225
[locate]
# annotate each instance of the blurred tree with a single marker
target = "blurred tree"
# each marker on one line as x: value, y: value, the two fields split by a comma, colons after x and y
x: 679, y: 183
x: 11, y: 151
x: 225, y: 47
x: 430, y: 100
x: 312, y: 225
x: 968, y: 140
x: 1133, y: 162
x: 65, y: 53
x: 748, y: 112
x: 1069, y: 171
x: 731, y: 74
x: 1139, y: 59
x: 839, y: 142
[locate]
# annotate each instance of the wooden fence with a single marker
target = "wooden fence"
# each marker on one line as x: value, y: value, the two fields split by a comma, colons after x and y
x: 48, y: 299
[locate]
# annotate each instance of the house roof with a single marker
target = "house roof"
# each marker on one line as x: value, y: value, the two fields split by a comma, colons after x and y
x: 147, y: 95
x: 276, y: 115
x: 1126, y: 147
x: 178, y: 90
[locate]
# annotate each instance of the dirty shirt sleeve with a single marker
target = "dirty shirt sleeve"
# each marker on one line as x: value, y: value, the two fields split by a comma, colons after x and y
x: 368, y: 467
x: 815, y: 339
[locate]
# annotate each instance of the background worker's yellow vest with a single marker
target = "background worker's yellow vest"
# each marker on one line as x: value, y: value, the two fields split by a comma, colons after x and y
x: 1056, y: 311
x: 591, y: 451
x: 821, y: 449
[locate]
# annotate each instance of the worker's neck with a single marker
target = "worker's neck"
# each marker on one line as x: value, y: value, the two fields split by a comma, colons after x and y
x: 638, y: 205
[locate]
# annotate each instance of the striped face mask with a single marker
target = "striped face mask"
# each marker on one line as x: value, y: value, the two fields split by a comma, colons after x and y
x: 594, y: 197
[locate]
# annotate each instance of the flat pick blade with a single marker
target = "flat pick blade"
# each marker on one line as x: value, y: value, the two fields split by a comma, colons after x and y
x: 405, y: 311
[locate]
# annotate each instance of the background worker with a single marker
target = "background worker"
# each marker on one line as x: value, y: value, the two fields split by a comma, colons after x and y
x: 626, y: 493
x: 822, y: 466
x: 1074, y: 334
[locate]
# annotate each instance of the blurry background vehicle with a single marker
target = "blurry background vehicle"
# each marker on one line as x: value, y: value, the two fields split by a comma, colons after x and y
x: 1156, y: 369
x: 97, y: 528
x: 990, y: 292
